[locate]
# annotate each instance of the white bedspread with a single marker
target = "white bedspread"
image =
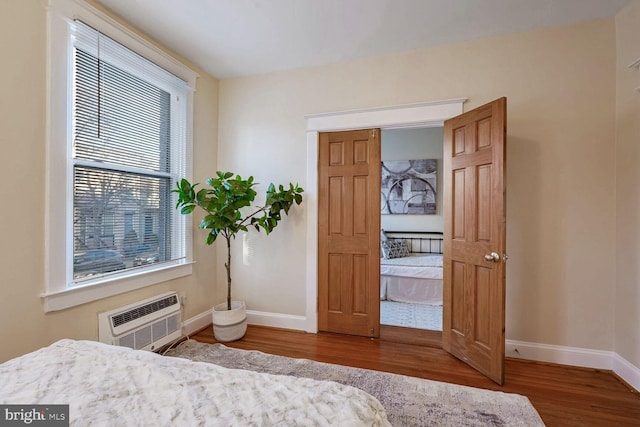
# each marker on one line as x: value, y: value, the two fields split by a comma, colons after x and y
x: 115, y: 386
x: 417, y: 265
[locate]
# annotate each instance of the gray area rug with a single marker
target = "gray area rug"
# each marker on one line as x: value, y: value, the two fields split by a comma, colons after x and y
x: 409, y: 401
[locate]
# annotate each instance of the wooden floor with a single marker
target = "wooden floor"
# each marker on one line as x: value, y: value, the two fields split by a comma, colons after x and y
x: 562, y: 395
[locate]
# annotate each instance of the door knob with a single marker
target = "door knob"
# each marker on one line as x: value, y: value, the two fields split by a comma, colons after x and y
x: 493, y: 256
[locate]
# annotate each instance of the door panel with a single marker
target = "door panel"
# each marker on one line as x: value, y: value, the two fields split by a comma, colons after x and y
x: 360, y: 214
x: 335, y: 205
x: 458, y: 298
x: 360, y: 283
x: 475, y: 227
x: 335, y: 282
x: 482, y: 305
x: 483, y: 218
x: 458, y: 205
x: 349, y: 232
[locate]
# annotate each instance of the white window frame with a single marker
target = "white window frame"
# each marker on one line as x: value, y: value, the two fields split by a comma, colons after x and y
x: 59, y: 166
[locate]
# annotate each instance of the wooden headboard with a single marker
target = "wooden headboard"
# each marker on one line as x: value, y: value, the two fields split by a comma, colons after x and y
x: 420, y: 242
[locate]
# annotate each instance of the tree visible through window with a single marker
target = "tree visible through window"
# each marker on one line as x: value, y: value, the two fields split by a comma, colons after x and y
x: 123, y: 159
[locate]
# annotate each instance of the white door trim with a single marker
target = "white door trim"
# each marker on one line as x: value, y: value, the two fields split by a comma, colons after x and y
x: 426, y: 114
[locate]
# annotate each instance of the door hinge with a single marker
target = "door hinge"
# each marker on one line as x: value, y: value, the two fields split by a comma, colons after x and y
x: 373, y: 133
x: 372, y: 333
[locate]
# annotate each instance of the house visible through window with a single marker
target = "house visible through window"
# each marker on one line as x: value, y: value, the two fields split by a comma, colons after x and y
x: 119, y: 130
x: 127, y: 153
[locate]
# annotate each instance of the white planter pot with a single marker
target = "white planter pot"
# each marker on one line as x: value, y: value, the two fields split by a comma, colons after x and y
x: 229, y: 325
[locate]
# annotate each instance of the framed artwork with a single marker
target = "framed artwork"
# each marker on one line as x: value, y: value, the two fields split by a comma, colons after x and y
x: 409, y: 187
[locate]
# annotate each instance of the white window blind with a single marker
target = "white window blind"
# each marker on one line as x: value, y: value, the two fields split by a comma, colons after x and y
x: 128, y: 150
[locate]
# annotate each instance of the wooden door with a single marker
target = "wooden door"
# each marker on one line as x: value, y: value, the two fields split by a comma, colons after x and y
x: 475, y: 238
x: 349, y: 172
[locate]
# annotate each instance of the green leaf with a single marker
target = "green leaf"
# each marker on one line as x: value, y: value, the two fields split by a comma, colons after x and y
x: 187, y: 209
x: 211, y: 237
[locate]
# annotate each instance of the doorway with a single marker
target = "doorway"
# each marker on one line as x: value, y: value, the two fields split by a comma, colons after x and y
x: 428, y: 114
x: 475, y: 234
x: 411, y: 285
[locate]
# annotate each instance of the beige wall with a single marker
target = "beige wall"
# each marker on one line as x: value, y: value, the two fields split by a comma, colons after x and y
x: 562, y: 175
x: 560, y: 85
x: 25, y: 326
x: 627, y: 315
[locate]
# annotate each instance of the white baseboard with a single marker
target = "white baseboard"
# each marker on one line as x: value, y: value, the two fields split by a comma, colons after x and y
x: 627, y: 371
x: 574, y: 356
x: 559, y: 354
x: 261, y: 318
x: 277, y: 320
x: 197, y: 322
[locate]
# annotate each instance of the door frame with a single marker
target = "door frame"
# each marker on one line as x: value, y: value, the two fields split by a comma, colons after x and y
x: 421, y: 115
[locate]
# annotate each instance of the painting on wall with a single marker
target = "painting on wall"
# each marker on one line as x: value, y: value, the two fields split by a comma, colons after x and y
x: 409, y: 187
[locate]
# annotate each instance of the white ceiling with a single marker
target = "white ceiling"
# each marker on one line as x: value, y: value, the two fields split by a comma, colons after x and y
x: 231, y: 38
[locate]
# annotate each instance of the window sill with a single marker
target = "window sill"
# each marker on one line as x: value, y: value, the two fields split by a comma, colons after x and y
x: 71, y: 297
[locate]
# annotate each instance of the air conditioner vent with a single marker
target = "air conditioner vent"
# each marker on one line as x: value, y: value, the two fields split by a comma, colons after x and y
x: 138, y: 312
x: 144, y: 325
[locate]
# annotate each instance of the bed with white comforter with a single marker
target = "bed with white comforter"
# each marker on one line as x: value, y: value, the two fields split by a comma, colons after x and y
x: 412, y: 279
x: 115, y: 386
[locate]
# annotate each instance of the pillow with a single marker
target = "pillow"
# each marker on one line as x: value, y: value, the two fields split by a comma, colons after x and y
x: 394, y: 249
x: 383, y: 238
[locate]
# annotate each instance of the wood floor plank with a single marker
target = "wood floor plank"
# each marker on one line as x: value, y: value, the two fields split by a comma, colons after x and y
x: 562, y: 395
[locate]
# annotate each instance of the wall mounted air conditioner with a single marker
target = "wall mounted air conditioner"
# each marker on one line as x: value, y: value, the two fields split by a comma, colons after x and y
x: 144, y: 325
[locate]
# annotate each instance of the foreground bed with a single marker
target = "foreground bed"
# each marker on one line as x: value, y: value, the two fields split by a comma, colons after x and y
x: 108, y: 385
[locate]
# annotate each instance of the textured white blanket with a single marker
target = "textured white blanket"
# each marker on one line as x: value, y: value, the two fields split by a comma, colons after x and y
x: 115, y: 386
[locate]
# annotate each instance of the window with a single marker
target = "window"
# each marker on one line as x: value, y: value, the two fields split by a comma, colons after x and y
x: 112, y: 225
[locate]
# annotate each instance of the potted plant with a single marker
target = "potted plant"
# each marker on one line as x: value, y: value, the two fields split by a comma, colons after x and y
x: 228, y: 207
